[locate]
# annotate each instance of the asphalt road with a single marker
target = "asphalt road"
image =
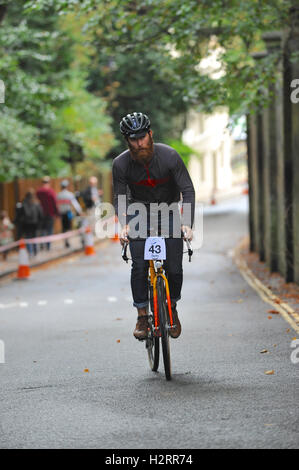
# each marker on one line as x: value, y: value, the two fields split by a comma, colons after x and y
x: 75, y: 377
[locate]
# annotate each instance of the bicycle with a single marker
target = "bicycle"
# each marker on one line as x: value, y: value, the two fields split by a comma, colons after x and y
x: 160, y: 318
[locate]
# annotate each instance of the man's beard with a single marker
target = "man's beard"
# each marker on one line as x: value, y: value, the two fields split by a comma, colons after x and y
x: 143, y: 155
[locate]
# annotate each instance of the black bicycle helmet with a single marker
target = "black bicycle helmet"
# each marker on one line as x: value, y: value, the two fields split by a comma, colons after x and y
x: 135, y: 125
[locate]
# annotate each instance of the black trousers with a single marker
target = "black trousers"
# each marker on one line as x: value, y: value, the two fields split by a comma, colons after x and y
x: 66, y: 223
x: 173, y: 268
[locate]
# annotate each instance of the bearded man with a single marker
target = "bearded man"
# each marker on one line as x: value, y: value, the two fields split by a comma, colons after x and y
x: 152, y: 174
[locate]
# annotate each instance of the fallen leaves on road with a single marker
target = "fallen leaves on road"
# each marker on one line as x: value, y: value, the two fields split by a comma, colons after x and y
x: 263, y: 351
x: 269, y: 372
x: 269, y: 317
x: 118, y: 340
x: 275, y: 312
x: 86, y: 370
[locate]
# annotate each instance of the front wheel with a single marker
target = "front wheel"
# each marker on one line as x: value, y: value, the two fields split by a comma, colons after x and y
x: 153, y: 347
x: 163, y: 315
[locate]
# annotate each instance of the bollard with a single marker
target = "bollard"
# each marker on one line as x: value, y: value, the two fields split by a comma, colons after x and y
x: 24, y: 269
x: 89, y: 246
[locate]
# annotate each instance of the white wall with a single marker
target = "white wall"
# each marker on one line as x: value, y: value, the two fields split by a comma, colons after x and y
x: 209, y: 136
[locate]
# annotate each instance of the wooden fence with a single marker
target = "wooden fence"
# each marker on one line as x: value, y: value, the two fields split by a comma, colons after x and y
x: 273, y: 161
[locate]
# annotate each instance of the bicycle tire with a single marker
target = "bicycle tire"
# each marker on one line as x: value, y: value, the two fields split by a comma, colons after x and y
x: 163, y: 315
x: 153, y: 347
x: 152, y: 343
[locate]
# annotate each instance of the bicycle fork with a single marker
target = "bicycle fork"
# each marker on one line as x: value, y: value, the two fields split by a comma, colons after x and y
x: 154, y: 277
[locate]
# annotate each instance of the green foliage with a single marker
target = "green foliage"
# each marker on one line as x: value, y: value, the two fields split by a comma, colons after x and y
x: 40, y: 60
x: 128, y: 26
x: 15, y: 140
x: 57, y: 55
x: 138, y: 82
x: 84, y: 122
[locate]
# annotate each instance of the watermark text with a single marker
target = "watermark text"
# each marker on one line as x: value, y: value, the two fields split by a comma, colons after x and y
x: 295, y: 93
x: 295, y: 353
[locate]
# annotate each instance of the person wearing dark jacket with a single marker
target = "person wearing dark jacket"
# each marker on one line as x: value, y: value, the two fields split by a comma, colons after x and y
x: 48, y: 201
x: 92, y: 195
x: 151, y: 174
x: 31, y: 217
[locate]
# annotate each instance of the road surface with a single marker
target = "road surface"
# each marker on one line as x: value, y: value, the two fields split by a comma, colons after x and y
x: 75, y: 377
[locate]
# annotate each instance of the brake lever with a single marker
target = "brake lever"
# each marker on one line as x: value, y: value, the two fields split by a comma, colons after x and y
x: 124, y: 253
x: 190, y: 250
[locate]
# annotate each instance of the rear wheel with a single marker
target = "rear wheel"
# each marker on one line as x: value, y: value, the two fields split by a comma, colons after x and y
x: 164, y: 327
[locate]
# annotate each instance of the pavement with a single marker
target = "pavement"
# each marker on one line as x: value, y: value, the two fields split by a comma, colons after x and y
x: 74, y: 376
x: 57, y: 251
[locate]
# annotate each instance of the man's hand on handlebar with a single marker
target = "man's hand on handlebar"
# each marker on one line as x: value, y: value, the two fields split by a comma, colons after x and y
x: 124, y: 235
x: 187, y: 231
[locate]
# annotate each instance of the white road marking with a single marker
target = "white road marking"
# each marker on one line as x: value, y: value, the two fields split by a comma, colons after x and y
x: 26, y: 304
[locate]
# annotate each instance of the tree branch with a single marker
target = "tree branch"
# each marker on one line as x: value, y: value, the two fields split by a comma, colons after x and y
x: 3, y: 9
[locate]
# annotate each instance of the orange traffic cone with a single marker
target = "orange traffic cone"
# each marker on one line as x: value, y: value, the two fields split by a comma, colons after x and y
x: 89, y: 248
x: 24, y: 269
x: 116, y: 236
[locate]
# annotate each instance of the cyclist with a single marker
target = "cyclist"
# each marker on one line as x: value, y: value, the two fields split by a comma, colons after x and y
x: 150, y: 173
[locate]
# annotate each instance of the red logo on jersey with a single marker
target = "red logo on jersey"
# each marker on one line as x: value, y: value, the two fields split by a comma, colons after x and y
x: 151, y: 182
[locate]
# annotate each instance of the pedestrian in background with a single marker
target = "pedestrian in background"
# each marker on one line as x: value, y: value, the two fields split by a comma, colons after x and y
x: 48, y: 201
x: 6, y: 231
x: 92, y: 195
x: 67, y: 202
x: 31, y: 219
x: 18, y: 222
x: 92, y: 198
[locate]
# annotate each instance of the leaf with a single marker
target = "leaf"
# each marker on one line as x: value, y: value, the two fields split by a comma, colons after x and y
x: 269, y: 317
x: 269, y: 372
x: 118, y: 340
x: 86, y: 370
x: 263, y: 351
x: 275, y: 312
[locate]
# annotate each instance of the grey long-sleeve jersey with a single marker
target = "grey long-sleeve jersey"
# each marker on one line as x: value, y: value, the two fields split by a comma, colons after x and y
x: 163, y: 180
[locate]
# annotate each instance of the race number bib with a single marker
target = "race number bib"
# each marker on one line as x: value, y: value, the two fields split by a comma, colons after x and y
x: 155, y: 248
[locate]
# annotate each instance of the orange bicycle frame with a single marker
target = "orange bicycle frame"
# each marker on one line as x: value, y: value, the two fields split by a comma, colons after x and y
x: 153, y: 278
